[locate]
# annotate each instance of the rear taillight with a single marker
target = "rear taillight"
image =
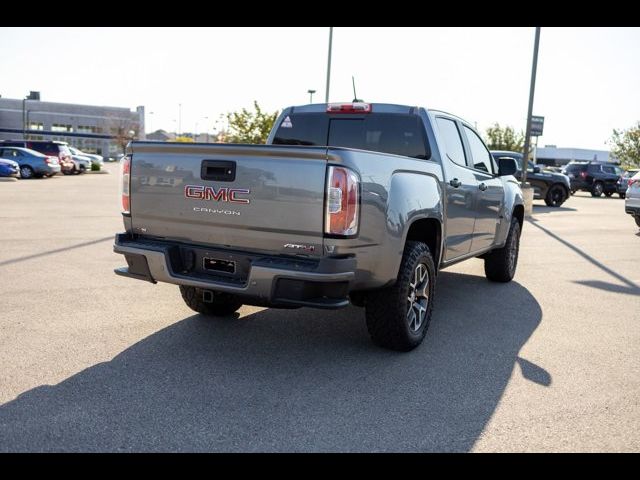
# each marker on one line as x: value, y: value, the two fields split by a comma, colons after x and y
x: 51, y: 160
x: 342, y: 202
x: 583, y: 174
x: 126, y: 175
x: 357, y: 107
x: 631, y: 181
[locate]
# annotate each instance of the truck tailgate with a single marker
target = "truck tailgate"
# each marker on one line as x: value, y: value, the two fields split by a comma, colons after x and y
x: 253, y: 197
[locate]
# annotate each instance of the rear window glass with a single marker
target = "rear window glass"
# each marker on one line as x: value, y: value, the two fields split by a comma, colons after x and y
x: 577, y: 168
x: 397, y: 134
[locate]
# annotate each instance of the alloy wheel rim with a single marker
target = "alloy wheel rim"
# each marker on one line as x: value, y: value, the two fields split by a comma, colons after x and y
x: 24, y: 172
x: 418, y: 297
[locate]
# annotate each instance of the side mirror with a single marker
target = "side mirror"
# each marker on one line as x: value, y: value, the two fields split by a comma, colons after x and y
x: 507, y: 166
x: 536, y: 169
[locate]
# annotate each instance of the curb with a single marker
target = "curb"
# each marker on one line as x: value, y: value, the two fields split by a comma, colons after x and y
x: 8, y: 179
x: 100, y: 172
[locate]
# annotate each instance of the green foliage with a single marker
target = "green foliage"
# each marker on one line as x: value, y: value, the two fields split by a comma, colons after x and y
x: 95, y: 167
x: 625, y: 145
x: 499, y: 138
x: 250, y: 127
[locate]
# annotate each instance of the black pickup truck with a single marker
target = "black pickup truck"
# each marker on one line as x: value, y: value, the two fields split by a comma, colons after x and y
x: 553, y: 188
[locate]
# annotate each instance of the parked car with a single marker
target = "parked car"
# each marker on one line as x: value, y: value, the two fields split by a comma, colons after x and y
x: 95, y: 159
x: 632, y: 199
x: 594, y: 177
x: 81, y: 164
x: 553, y: 188
x: 51, y: 148
x: 371, y: 200
x: 32, y: 163
x: 9, y: 168
x: 623, y: 182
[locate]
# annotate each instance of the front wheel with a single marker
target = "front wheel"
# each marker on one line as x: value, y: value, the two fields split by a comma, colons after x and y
x: 210, y: 303
x: 608, y: 194
x: 500, y: 265
x: 398, y: 316
x: 556, y: 196
x: 622, y: 195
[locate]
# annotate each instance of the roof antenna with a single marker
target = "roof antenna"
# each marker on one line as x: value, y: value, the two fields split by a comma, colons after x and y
x: 355, y: 97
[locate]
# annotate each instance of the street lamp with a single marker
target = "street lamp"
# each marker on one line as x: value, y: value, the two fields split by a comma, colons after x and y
x: 326, y: 95
x: 311, y: 92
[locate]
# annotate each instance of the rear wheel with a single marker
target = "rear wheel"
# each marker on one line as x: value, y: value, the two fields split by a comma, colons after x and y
x: 556, y: 196
x: 208, y: 302
x: 26, y: 171
x: 637, y: 220
x: 597, y: 189
x: 622, y: 195
x: 500, y: 265
x: 398, y: 316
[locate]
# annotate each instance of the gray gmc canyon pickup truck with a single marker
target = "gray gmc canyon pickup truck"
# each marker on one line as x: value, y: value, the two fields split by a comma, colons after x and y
x: 352, y: 202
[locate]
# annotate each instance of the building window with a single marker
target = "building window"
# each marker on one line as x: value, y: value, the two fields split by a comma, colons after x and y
x: 58, y: 127
x: 88, y: 129
x: 35, y: 126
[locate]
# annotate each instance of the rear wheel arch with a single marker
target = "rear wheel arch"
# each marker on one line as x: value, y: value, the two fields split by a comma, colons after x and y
x: 427, y: 230
x: 518, y: 213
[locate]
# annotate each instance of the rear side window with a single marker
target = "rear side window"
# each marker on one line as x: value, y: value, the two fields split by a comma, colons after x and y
x: 397, y: 134
x: 594, y: 168
x: 452, y: 140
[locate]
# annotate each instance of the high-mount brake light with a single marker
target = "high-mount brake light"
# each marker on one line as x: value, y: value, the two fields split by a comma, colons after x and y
x: 357, y: 107
x: 342, y: 202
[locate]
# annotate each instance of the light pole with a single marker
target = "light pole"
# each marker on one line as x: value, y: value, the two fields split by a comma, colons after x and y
x: 527, y: 142
x: 326, y: 95
x: 311, y: 92
x: 179, y: 118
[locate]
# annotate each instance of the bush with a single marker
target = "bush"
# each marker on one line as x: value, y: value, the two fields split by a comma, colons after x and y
x: 95, y: 167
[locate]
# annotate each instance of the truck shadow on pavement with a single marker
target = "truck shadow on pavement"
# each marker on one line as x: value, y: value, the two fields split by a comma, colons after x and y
x: 292, y: 380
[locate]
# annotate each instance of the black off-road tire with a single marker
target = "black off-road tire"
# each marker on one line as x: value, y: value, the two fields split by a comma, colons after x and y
x: 597, y: 190
x: 222, y: 304
x: 556, y: 196
x: 500, y: 265
x: 387, y: 310
x: 622, y: 195
x: 608, y: 194
x: 637, y: 218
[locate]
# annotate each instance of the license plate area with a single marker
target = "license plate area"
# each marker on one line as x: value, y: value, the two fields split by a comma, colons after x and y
x: 218, y: 265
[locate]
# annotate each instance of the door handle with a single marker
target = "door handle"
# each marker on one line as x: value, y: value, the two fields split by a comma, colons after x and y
x: 455, y: 183
x: 482, y: 187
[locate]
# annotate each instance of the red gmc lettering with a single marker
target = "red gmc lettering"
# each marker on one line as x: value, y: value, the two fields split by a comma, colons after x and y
x: 223, y: 194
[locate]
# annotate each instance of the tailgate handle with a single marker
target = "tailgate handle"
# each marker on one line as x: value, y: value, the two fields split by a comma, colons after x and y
x: 218, y: 170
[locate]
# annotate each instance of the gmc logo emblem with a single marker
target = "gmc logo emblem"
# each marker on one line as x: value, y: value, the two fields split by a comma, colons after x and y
x: 223, y: 194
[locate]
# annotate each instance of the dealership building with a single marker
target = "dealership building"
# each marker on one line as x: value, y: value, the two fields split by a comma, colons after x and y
x: 554, y: 156
x: 90, y: 128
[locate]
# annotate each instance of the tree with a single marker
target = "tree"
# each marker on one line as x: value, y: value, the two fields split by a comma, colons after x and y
x: 626, y: 146
x: 249, y: 127
x: 122, y: 131
x: 499, y: 138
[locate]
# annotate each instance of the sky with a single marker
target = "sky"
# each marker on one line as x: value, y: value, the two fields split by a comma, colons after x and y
x: 587, y: 80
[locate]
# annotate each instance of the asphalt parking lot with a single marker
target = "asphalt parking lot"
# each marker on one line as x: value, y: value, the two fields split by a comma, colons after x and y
x: 94, y: 362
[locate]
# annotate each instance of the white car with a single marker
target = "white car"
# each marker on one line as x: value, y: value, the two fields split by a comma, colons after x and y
x: 81, y: 164
x: 632, y: 199
x: 95, y: 159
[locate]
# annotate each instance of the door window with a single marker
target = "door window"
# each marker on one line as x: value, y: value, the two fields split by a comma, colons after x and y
x: 481, y: 158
